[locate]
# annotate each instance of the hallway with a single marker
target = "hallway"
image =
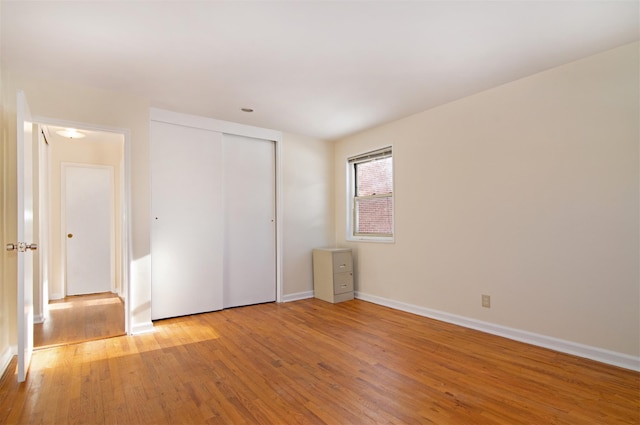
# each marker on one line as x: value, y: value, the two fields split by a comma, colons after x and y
x: 80, y: 318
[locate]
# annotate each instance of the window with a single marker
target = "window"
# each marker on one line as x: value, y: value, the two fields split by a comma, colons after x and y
x: 371, y: 196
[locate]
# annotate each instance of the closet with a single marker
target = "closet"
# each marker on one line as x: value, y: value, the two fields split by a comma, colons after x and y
x: 213, y: 204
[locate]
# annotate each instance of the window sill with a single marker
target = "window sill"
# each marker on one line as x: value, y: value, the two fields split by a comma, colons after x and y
x: 378, y: 239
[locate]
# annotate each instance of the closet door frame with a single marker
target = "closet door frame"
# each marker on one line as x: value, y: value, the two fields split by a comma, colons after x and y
x: 227, y: 127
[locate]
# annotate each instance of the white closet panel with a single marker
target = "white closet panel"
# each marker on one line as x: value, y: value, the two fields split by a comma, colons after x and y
x: 250, y: 225
x: 187, y: 220
x: 213, y: 238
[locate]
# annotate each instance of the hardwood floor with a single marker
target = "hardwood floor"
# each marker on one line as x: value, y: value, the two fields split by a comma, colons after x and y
x: 80, y: 318
x: 313, y: 362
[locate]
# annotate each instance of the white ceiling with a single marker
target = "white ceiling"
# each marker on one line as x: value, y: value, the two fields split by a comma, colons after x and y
x: 91, y: 136
x: 320, y: 68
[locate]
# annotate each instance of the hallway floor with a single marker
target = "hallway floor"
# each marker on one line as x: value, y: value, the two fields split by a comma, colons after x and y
x: 80, y: 318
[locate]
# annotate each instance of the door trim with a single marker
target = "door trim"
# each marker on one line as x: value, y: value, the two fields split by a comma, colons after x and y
x: 227, y: 127
x: 42, y: 222
x: 124, y: 192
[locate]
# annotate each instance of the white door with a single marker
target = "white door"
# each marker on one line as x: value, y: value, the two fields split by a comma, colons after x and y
x: 250, y: 228
x: 187, y: 220
x: 25, y: 235
x: 89, y: 229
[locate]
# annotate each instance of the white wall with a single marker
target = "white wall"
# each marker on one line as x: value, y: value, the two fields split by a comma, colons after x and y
x: 308, y: 207
x: 6, y: 323
x: 527, y: 192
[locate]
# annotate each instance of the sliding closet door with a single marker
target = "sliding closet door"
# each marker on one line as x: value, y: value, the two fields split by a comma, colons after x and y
x: 250, y: 227
x: 187, y: 220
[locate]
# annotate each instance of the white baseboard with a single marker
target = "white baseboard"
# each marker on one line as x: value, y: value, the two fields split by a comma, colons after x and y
x: 142, y: 328
x: 297, y: 296
x: 594, y: 353
x: 5, y: 359
x: 56, y: 297
x: 38, y: 318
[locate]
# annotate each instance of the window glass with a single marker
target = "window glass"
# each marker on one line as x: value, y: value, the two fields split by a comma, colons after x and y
x: 374, y: 177
x: 371, y: 196
x: 374, y: 216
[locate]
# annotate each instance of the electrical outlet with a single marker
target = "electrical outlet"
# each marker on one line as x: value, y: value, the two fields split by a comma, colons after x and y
x: 486, y: 301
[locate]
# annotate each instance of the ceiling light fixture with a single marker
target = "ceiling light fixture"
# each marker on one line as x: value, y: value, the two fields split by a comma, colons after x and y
x: 71, y: 133
x: 246, y: 109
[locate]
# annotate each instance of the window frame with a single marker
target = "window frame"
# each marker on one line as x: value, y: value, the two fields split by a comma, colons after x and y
x: 352, y: 161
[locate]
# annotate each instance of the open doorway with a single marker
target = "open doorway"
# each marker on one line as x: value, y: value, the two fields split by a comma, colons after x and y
x: 80, y: 289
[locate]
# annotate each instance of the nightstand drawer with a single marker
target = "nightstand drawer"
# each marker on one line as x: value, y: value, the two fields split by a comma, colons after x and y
x: 342, y: 262
x: 342, y: 282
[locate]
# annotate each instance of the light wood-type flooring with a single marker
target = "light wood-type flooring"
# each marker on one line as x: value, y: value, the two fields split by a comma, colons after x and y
x: 313, y: 362
x: 80, y: 318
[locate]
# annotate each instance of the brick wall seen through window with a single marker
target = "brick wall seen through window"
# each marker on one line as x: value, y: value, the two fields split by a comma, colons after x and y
x: 373, y: 201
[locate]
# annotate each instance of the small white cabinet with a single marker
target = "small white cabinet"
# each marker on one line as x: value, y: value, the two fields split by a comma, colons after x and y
x: 333, y: 274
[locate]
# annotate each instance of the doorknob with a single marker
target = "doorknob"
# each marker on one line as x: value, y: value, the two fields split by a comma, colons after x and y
x: 69, y: 235
x: 21, y: 247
